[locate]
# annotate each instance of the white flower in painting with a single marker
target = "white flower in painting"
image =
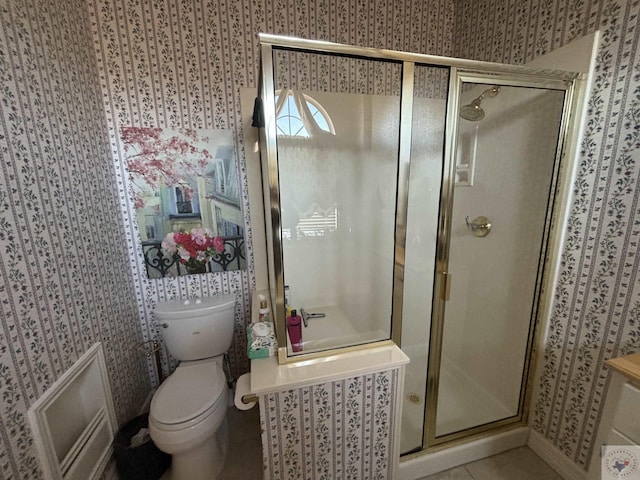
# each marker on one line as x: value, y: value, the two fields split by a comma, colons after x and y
x: 184, y: 254
x: 169, y: 244
x: 201, y: 235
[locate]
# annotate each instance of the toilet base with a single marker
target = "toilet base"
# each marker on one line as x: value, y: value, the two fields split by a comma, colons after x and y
x: 204, y: 462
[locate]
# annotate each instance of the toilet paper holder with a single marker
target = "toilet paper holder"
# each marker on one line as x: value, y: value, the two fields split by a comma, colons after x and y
x: 243, y: 397
x: 249, y: 398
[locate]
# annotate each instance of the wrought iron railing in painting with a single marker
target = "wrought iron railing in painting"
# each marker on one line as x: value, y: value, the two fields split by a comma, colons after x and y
x: 159, y: 265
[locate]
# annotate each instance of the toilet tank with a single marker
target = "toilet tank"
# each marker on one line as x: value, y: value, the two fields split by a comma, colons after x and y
x: 197, y: 328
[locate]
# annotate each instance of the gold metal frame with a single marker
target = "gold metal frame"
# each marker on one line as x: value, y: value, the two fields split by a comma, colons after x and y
x: 460, y: 70
x: 271, y: 191
x: 402, y: 196
x: 441, y: 287
x: 301, y: 44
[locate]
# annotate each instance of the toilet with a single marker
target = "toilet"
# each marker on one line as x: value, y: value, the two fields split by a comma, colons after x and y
x: 187, y: 414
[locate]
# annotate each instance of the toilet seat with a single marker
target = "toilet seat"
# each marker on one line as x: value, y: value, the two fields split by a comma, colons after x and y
x: 189, y: 395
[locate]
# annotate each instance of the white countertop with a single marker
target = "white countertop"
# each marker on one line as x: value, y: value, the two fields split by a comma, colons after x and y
x: 268, y: 377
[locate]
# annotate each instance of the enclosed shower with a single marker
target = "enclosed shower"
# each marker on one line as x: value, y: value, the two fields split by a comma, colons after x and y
x: 409, y: 198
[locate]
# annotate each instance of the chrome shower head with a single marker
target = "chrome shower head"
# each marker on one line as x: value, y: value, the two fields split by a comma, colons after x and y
x: 474, y: 112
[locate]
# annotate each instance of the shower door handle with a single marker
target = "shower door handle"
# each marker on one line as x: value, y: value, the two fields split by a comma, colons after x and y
x: 445, y: 291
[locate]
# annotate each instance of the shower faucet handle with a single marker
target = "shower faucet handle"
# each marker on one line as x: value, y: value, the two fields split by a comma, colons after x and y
x: 480, y: 226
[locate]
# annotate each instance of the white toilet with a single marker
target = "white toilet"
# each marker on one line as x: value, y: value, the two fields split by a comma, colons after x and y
x: 187, y: 415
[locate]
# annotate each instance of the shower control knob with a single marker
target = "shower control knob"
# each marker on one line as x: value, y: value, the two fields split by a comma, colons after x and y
x: 165, y: 325
x: 480, y: 226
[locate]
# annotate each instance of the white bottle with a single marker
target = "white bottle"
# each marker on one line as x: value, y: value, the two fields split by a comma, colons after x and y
x: 264, y: 309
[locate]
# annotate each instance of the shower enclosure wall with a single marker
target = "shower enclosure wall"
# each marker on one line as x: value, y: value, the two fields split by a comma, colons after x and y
x: 391, y: 218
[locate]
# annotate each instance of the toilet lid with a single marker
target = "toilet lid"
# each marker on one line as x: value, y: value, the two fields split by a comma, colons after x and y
x: 188, y: 392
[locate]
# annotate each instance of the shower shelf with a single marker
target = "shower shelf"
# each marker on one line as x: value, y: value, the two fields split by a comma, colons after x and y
x: 466, y: 157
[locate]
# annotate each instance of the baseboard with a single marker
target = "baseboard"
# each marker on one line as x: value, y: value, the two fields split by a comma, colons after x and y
x: 420, y: 465
x: 555, y: 458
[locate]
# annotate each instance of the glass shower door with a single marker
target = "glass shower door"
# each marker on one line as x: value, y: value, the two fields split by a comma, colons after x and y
x: 430, y: 88
x: 337, y: 139
x: 505, y: 171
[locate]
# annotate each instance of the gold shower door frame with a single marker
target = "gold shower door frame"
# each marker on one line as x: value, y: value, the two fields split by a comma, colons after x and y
x: 461, y: 70
x: 442, y: 282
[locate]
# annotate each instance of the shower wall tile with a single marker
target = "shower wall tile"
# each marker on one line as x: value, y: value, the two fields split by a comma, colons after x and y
x: 596, y: 311
x: 175, y: 64
x: 342, y: 429
x: 64, y: 277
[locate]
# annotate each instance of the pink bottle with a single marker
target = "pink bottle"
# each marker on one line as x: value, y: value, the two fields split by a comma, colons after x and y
x: 294, y: 328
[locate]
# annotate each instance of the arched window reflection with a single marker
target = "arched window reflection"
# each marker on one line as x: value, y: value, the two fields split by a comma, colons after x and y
x: 299, y: 115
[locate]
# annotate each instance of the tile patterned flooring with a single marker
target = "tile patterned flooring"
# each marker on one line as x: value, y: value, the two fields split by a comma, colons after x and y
x: 244, y: 457
x: 517, y: 464
x: 244, y: 452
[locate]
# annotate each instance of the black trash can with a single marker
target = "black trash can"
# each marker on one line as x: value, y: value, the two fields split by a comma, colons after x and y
x: 144, y: 462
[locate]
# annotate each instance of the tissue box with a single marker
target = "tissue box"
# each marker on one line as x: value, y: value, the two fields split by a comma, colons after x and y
x: 261, y: 344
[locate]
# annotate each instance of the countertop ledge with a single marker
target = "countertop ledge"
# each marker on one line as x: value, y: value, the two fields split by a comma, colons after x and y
x: 628, y: 365
x: 269, y: 377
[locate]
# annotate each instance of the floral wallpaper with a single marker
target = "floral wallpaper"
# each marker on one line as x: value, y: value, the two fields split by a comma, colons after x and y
x: 67, y: 66
x: 64, y: 277
x: 180, y: 65
x: 342, y: 429
x: 71, y: 269
x: 596, y: 312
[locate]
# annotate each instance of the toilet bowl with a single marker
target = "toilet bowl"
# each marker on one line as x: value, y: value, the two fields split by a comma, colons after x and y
x: 186, y: 419
x: 187, y: 414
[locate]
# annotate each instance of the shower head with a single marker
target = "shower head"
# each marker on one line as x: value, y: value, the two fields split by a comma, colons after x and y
x: 474, y: 112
